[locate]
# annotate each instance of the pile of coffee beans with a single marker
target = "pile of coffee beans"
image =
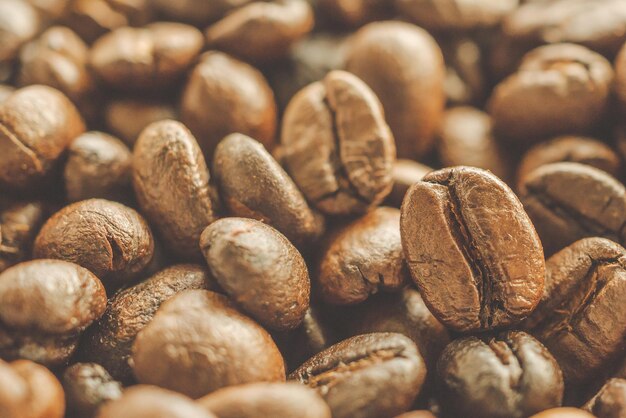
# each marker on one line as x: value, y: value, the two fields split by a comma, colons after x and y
x: 312, y: 208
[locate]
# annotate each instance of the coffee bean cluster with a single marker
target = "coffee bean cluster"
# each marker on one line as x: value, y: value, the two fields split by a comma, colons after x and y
x: 312, y: 208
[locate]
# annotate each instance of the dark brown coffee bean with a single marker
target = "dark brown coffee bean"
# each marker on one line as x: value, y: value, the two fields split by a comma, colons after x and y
x: 259, y: 269
x: 37, y: 123
x: 108, y: 238
x: 253, y: 185
x: 558, y: 89
x: 510, y: 376
x: 610, y: 401
x: 28, y: 390
x: 371, y: 375
x: 570, y: 201
x: 338, y: 147
x: 563, y: 413
x: 281, y: 23
x: 471, y: 249
x: 87, y: 386
x: 46, y: 304
x: 127, y: 118
x: 416, y: 414
x: 19, y: 224
x: 98, y: 165
x: 20, y: 23
x: 154, y: 56
x: 404, y: 173
x: 198, y: 343
x: 404, y: 67
x: 171, y: 182
x: 284, y: 400
x: 239, y: 97
x: 581, y: 317
x: 197, y: 11
x: 363, y: 258
x: 109, y: 341
x: 145, y: 401
x: 354, y: 13
x: 620, y: 78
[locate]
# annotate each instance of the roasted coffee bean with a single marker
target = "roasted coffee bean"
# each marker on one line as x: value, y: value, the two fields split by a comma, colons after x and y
x: 199, y: 338
x: 363, y: 258
x: 285, y: 400
x: 471, y: 249
x: 576, y: 149
x: 563, y: 413
x: 37, y: 123
x: 259, y: 269
x: 610, y: 401
x: 144, y: 401
x: 465, y: 83
x: 239, y: 99
x: 127, y: 118
x: 109, y: 341
x: 558, y: 89
x: 108, y: 238
x: 98, y: 165
x: 354, y: 13
x: 20, y: 23
x: 404, y: 67
x: 570, y: 201
x: 253, y: 185
x: 46, y: 304
x: 620, y: 78
x: 154, y: 56
x: 19, y: 224
x: 370, y: 375
x: 280, y: 23
x: 171, y: 182
x: 416, y: 414
x: 581, y: 318
x: 338, y: 147
x: 28, y: 390
x: 510, y: 375
x: 197, y: 11
x: 404, y: 173
x: 87, y: 386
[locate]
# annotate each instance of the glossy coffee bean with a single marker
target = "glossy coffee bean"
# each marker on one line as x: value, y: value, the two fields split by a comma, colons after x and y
x: 510, y: 375
x: 581, y: 318
x: 471, y: 249
x: 362, y: 258
x: 404, y: 67
x: 127, y: 118
x: 87, y: 386
x: 20, y: 23
x: 239, y: 97
x: 570, y: 201
x: 404, y: 173
x: 285, y: 400
x: 218, y: 347
x: 46, y: 304
x: 610, y: 401
x: 171, y: 182
x: 563, y: 413
x: 19, y: 224
x: 108, y: 238
x: 253, y: 185
x: 109, y: 341
x: 338, y: 147
x: 558, y: 89
x: 259, y: 269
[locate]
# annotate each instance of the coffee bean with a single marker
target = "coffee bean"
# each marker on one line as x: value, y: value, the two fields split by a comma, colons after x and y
x: 404, y: 67
x: 465, y: 81
x: 239, y: 98
x: 197, y: 11
x: 108, y: 238
x: 46, y: 304
x: 570, y: 201
x: 198, y: 343
x: 109, y: 341
x: 510, y: 375
x: 363, y: 258
x: 563, y: 413
x: 171, y: 182
x: 471, y: 249
x: 285, y: 400
x: 128, y: 117
x: 20, y: 22
x: 259, y: 269
x: 558, y: 89
x: 252, y: 184
x: 355, y: 13
x: 580, y: 317
x: 610, y: 401
x: 19, y: 224
x: 87, y: 386
x: 404, y: 173
x: 338, y: 147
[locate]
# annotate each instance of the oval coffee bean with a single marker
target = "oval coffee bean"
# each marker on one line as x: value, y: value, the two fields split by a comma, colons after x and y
x: 109, y: 341
x: 199, y: 337
x: 87, y: 386
x: 253, y: 185
x: 404, y: 173
x: 108, y: 238
x: 46, y: 304
x: 563, y: 413
x: 366, y: 376
x: 471, y: 249
x: 338, y: 147
x: 19, y: 224
x: 259, y: 269
x: 171, y: 182
x: 610, y: 401
x: 509, y: 376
